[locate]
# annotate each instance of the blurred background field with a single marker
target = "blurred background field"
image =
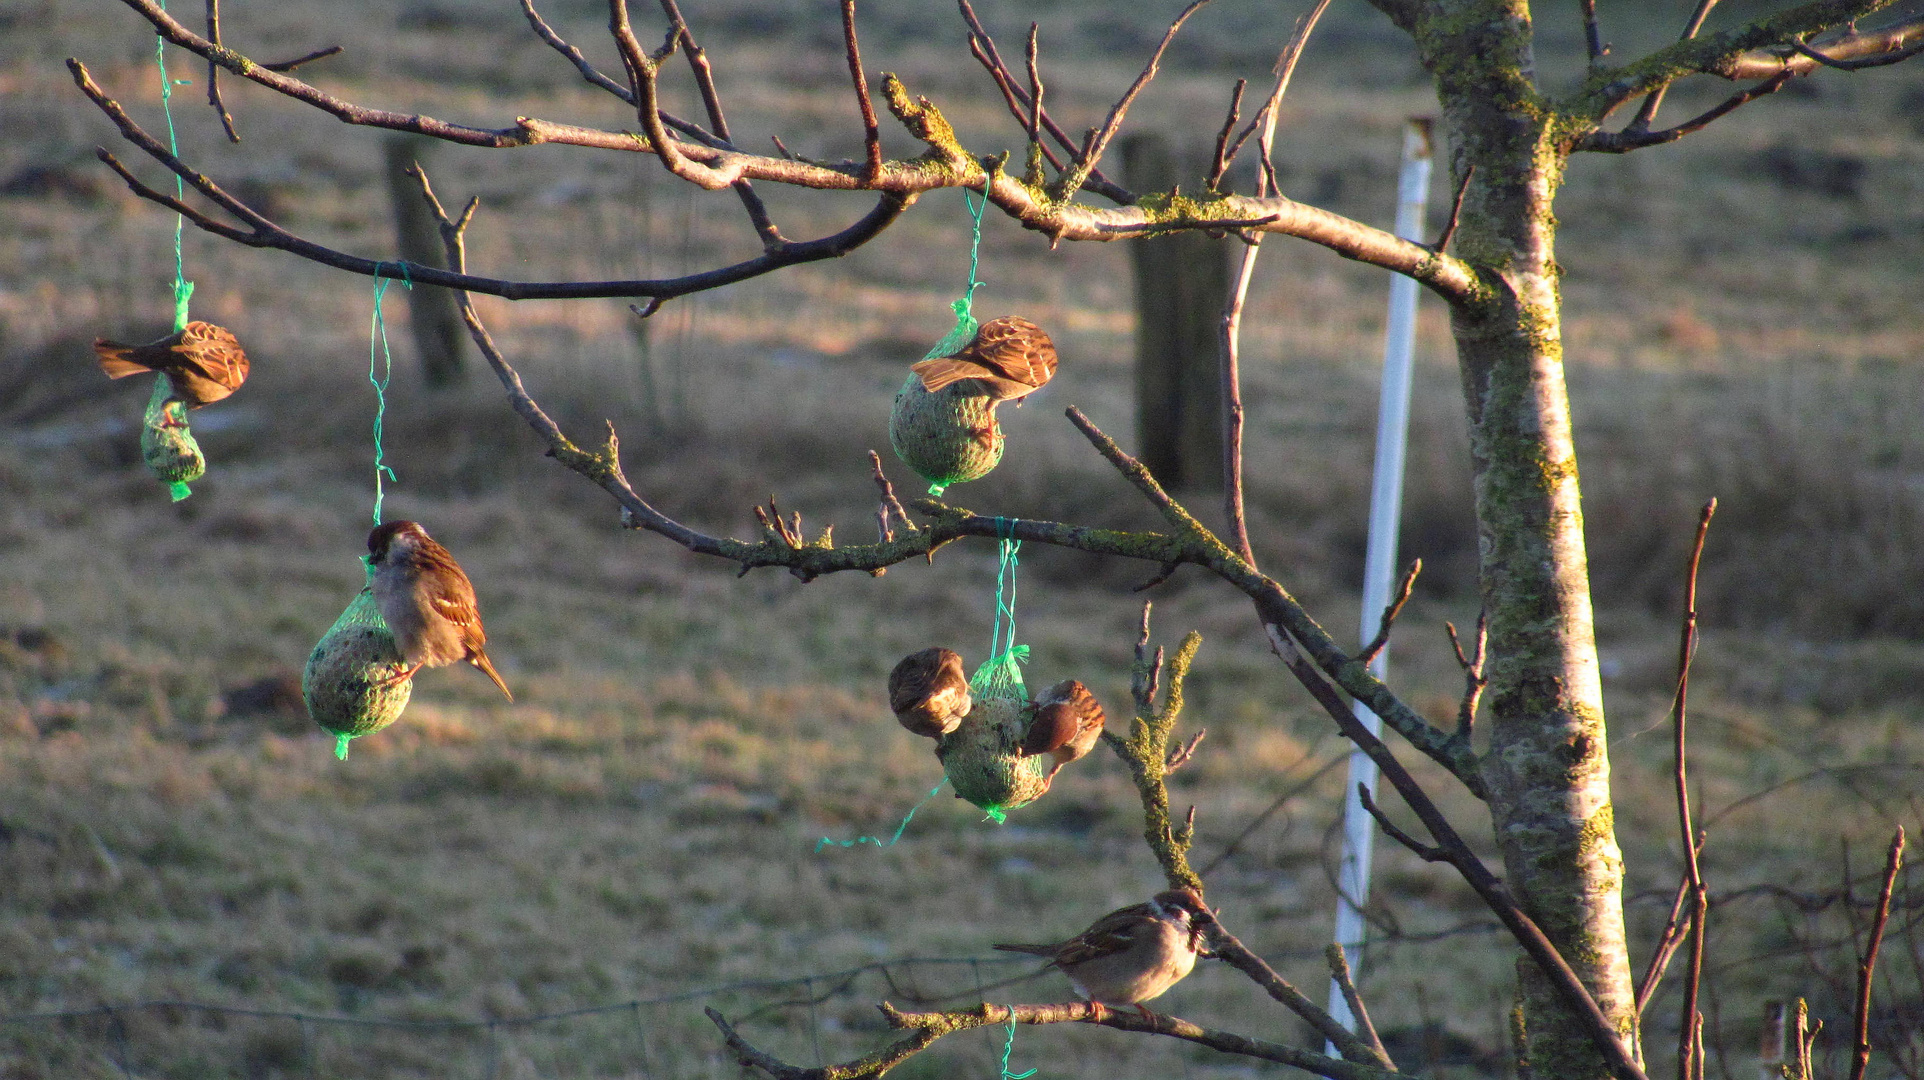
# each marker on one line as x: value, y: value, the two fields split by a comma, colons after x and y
x: 641, y: 823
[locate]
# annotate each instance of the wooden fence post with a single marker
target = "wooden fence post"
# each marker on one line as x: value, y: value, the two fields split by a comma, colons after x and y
x: 1182, y: 286
x: 433, y: 317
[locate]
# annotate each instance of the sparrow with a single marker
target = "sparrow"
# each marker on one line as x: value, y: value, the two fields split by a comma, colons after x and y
x: 1068, y: 721
x: 1012, y: 358
x: 203, y: 363
x: 427, y: 602
x: 1132, y: 954
x: 929, y: 693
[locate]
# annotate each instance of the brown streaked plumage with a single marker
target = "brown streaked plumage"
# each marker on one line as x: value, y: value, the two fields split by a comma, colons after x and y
x: 1132, y: 954
x: 427, y: 601
x: 1068, y: 721
x: 1012, y: 357
x: 203, y: 363
x: 929, y: 693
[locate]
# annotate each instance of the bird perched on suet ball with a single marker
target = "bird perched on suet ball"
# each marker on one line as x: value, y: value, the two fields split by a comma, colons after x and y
x: 427, y: 601
x: 1011, y: 357
x: 203, y: 363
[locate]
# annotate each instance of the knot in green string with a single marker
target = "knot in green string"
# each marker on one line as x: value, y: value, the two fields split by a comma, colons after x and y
x: 1008, y: 1047
x: 377, y: 342
x: 890, y: 842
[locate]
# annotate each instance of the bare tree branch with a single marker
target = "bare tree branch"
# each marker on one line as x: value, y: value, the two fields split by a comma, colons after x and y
x: 305, y: 58
x: 1689, y: 1048
x: 1390, y: 612
x: 1451, y: 848
x: 1092, y: 151
x: 871, y: 133
x: 213, y: 75
x: 982, y: 46
x: 1861, y: 1044
x: 1339, y: 971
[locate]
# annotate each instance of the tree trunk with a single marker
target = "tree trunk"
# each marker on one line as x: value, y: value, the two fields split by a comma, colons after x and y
x: 1547, y: 768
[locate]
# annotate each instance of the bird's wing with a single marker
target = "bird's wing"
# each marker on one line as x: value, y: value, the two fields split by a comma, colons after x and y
x: 1015, y: 349
x: 452, y: 597
x: 1053, y: 726
x: 943, y: 370
x: 214, y: 352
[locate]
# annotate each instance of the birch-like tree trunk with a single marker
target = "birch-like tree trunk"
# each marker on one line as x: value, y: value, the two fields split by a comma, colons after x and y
x: 1547, y: 768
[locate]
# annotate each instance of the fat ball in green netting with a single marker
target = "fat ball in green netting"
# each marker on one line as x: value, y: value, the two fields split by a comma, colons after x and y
x: 943, y: 423
x: 198, y: 364
x: 350, y: 684
x: 993, y: 742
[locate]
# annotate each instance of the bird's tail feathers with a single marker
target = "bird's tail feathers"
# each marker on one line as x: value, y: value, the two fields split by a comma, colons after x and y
x: 1033, y: 950
x: 480, y: 660
x: 117, y: 359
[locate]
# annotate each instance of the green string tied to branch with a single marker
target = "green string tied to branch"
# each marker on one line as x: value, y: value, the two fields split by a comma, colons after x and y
x: 377, y: 341
x: 951, y: 435
x: 167, y: 444
x: 1008, y: 1047
x: 982, y: 757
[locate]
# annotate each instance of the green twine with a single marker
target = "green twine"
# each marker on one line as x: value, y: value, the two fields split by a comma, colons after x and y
x: 341, y: 739
x: 182, y: 442
x: 377, y: 337
x: 890, y: 842
x: 1001, y: 674
x: 183, y: 289
x: 1008, y: 1047
x: 965, y: 324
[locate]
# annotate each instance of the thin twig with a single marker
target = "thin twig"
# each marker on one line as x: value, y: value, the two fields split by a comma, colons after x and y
x: 1181, y: 756
x: 1647, y: 113
x: 1219, y: 164
x: 1456, y: 211
x: 1339, y: 970
x: 1093, y: 147
x: 871, y: 132
x: 1474, y: 678
x: 982, y: 46
x: 752, y: 204
x: 1031, y: 53
x: 1689, y: 1051
x: 1269, y: 811
x: 1895, y: 56
x: 1633, y: 139
x: 213, y: 75
x: 1592, y: 37
x: 1452, y: 849
x: 1861, y: 1048
x: 1667, y: 942
x: 1168, y: 571
x: 1390, y: 612
x: 1229, y: 343
x: 284, y: 66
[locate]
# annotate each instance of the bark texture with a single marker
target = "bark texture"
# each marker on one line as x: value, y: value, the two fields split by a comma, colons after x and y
x: 1547, y: 768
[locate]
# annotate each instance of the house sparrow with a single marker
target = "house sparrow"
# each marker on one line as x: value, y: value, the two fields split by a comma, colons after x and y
x: 929, y: 692
x: 1068, y: 721
x: 427, y: 602
x: 1012, y: 357
x: 1133, y: 954
x: 203, y: 363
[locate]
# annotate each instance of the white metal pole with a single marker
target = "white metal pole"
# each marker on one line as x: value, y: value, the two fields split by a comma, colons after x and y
x: 1379, y: 564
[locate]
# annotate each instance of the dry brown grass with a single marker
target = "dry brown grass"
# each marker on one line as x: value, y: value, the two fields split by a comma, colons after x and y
x: 641, y: 822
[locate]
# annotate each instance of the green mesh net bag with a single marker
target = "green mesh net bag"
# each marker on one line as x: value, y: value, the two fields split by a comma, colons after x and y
x: 948, y: 437
x: 346, y: 683
x: 982, y: 757
x: 167, y: 445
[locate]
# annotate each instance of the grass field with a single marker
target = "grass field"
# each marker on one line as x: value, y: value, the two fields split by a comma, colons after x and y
x: 642, y: 822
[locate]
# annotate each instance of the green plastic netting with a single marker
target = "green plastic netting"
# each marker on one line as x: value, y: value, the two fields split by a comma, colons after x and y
x: 167, y: 445
x: 349, y: 683
x: 982, y: 756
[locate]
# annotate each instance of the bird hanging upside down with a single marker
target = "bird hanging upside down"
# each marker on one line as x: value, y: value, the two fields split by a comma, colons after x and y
x: 1012, y: 357
x: 203, y: 363
x: 427, y: 602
